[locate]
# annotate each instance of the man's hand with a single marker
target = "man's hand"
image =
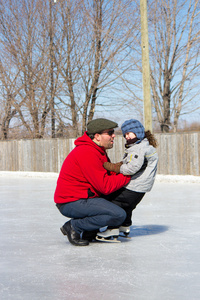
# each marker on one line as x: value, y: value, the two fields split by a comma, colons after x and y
x: 113, y: 167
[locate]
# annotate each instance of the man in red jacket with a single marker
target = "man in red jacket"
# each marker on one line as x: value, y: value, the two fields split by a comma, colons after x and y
x: 82, y: 182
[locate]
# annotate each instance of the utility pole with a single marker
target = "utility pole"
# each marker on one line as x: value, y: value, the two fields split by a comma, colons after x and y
x: 145, y: 66
x: 51, y: 71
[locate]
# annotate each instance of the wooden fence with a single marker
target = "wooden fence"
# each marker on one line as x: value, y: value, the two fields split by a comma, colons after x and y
x: 179, y: 154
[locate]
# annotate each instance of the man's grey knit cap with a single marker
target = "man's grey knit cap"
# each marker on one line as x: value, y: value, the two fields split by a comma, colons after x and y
x: 99, y: 125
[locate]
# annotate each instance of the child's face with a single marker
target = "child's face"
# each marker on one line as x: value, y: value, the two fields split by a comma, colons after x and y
x: 130, y: 136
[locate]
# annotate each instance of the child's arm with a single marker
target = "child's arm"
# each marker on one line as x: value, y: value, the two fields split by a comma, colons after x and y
x: 130, y: 165
x: 133, y: 163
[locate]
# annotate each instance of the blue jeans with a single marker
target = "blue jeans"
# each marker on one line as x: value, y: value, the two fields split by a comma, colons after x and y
x: 92, y: 214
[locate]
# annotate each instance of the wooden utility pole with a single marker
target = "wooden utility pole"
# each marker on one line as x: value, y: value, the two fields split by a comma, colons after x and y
x: 53, y: 131
x: 145, y: 66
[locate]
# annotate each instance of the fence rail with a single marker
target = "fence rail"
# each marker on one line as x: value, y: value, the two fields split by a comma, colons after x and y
x: 179, y: 154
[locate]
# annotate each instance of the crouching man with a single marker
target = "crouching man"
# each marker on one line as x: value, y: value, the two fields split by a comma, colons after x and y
x: 82, y: 181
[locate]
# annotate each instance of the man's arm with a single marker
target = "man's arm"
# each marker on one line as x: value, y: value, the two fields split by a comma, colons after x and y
x: 98, y: 177
x: 113, y: 167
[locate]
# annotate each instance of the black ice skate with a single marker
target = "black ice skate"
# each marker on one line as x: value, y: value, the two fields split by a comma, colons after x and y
x: 109, y: 236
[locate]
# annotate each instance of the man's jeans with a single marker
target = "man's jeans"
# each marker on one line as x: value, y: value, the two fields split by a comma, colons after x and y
x: 92, y: 214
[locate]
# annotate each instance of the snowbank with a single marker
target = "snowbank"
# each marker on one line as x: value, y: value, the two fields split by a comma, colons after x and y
x: 178, y: 178
x: 159, y: 178
x: 28, y: 174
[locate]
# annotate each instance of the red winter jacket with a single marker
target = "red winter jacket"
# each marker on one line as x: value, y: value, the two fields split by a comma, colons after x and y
x: 83, y: 170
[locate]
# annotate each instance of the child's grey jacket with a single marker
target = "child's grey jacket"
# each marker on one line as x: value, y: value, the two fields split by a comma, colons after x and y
x: 140, y: 161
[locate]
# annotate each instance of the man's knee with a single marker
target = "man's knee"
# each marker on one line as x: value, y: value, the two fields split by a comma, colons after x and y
x: 122, y: 216
x: 119, y: 216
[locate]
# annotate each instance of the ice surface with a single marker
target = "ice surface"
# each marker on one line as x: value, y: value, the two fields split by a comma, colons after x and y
x: 160, y: 262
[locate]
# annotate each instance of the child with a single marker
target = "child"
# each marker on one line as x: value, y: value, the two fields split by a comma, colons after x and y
x: 140, y: 160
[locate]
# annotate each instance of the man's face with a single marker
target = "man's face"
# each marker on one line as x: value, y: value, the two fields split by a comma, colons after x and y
x: 106, y: 138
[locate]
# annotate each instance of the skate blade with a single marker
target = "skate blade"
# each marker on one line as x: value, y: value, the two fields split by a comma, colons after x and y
x: 125, y: 236
x: 101, y: 239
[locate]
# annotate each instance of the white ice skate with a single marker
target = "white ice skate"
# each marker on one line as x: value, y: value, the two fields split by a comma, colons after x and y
x: 109, y: 235
x: 125, y: 230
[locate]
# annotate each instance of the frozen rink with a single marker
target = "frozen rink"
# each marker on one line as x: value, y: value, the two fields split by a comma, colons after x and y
x: 160, y: 262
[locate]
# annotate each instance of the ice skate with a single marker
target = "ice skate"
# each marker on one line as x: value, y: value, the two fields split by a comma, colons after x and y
x: 109, y: 235
x: 124, y: 231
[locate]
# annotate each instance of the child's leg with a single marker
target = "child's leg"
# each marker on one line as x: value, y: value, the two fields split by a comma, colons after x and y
x: 128, y: 200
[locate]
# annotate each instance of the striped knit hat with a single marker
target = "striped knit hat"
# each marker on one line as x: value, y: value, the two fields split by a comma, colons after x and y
x: 134, y: 126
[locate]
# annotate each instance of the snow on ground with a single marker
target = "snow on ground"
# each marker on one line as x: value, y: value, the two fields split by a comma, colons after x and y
x: 160, y: 262
x: 159, y: 177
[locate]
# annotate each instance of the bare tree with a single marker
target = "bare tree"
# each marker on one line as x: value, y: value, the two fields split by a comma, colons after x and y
x: 7, y: 94
x: 174, y: 51
x: 63, y: 57
x: 68, y: 52
x: 93, y: 41
x: 109, y: 28
x: 25, y: 39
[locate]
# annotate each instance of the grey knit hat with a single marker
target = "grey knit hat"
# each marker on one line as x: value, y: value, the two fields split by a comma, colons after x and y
x: 134, y: 126
x: 99, y: 125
